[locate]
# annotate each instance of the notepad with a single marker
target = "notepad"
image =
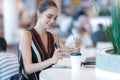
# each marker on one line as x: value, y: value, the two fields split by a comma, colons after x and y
x: 61, y: 66
x: 89, y: 64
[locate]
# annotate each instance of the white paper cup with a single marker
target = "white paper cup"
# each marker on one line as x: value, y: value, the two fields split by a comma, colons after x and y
x: 76, y: 60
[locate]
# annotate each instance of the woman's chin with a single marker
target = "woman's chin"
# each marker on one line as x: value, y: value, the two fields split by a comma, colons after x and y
x: 49, y: 27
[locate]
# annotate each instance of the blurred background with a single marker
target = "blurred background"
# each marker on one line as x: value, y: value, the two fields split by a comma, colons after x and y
x: 79, y: 17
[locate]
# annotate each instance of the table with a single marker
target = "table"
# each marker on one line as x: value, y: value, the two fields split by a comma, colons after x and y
x: 84, y: 73
x: 68, y: 74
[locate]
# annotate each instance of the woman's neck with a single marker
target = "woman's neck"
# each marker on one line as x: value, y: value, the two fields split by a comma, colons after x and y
x: 40, y: 30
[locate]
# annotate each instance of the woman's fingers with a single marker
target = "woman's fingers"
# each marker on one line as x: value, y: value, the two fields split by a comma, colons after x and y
x: 62, y: 53
x: 59, y: 57
x: 77, y: 42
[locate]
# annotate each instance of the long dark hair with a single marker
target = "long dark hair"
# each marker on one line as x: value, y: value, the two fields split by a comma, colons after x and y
x: 44, y: 5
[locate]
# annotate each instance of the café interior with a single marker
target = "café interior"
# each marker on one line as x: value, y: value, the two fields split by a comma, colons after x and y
x: 87, y: 19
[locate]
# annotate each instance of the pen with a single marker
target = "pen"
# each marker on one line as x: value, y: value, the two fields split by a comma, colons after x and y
x: 57, y: 44
x: 73, y: 35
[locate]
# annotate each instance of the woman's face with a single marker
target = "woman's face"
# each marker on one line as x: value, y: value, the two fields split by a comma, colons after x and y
x: 49, y: 17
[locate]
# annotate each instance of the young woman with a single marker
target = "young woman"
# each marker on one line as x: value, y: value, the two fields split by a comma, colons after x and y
x: 39, y: 48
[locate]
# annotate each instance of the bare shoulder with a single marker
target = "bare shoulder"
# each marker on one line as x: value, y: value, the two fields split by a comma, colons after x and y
x: 26, y: 35
x: 26, y: 38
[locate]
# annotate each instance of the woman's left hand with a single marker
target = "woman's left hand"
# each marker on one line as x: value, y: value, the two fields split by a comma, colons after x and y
x: 77, y: 43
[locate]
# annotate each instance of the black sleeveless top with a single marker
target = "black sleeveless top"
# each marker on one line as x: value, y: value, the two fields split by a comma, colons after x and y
x: 38, y: 54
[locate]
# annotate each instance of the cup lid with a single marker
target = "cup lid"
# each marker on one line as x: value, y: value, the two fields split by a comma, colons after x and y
x: 75, y: 54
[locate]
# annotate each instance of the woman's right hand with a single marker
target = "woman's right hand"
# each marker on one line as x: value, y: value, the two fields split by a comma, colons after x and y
x: 58, y: 55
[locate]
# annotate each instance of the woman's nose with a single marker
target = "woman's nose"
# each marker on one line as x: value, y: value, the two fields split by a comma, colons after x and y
x: 53, y: 20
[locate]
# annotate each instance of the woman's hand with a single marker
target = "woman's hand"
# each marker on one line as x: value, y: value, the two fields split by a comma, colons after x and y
x: 58, y: 55
x: 77, y: 44
x: 67, y: 52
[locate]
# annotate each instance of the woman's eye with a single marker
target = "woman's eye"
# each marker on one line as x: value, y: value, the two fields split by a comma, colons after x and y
x: 49, y: 17
x: 55, y: 18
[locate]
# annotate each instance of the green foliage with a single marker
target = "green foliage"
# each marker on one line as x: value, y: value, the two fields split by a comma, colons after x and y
x: 113, y: 30
x: 105, y: 13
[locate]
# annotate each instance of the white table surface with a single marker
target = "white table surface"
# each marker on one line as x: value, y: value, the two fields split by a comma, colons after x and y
x: 84, y: 73
x: 68, y: 74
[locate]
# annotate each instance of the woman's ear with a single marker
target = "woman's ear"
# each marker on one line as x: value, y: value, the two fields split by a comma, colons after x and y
x: 38, y: 13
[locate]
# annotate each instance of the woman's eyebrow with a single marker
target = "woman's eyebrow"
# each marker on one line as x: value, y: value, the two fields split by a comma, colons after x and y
x: 52, y: 15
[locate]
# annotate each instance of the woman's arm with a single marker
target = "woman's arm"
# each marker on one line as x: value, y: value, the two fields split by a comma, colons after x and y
x: 59, y: 42
x: 76, y: 46
x: 25, y: 46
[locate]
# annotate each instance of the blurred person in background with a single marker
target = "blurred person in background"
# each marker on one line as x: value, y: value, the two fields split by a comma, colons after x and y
x: 83, y: 20
x: 40, y: 49
x: 79, y: 19
x: 75, y: 19
x: 81, y: 28
x: 84, y: 37
x: 87, y: 7
x: 99, y: 36
x: 8, y: 63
